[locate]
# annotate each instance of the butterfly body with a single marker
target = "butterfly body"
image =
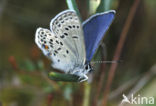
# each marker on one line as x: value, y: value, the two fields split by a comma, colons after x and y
x: 64, y: 44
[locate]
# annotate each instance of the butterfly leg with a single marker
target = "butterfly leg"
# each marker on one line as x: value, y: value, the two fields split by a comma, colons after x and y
x: 83, y: 78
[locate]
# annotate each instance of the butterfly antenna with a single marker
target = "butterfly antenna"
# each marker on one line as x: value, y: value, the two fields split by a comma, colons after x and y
x: 110, y: 62
x: 106, y: 62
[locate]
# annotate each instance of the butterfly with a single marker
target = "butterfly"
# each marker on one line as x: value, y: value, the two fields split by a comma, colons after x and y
x: 71, y: 45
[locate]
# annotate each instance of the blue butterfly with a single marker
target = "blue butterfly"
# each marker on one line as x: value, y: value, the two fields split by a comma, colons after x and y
x: 71, y: 45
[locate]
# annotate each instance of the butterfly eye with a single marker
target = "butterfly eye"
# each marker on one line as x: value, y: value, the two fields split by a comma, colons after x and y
x: 86, y: 67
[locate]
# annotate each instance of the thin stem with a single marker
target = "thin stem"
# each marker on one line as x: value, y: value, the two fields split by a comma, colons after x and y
x: 86, y: 94
x: 119, y: 49
x: 63, y: 77
x: 73, y: 6
x: 102, y: 75
x: 92, y: 6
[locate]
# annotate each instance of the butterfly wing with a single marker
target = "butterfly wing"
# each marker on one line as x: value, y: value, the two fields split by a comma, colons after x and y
x: 64, y: 44
x: 67, y: 27
x: 55, y: 49
x: 94, y: 29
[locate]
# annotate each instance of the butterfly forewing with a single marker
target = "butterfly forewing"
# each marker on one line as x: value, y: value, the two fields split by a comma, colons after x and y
x: 94, y: 30
x: 67, y: 27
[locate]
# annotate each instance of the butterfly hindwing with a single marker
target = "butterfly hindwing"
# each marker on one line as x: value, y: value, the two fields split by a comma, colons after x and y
x: 55, y: 49
x: 94, y: 29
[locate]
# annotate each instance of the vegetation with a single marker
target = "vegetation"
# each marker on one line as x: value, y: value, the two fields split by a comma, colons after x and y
x: 27, y: 78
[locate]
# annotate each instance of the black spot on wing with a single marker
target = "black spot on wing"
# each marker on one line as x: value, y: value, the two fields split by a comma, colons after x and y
x: 42, y: 32
x: 57, y: 42
x: 59, y: 49
x: 56, y: 22
x: 66, y: 29
x: 73, y: 26
x: 59, y: 25
x: 51, y: 42
x: 62, y: 36
x: 61, y: 43
x: 69, y: 26
x: 75, y: 37
x: 66, y: 34
x: 55, y: 51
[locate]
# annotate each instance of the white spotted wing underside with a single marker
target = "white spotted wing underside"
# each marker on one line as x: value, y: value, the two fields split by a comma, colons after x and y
x: 64, y: 42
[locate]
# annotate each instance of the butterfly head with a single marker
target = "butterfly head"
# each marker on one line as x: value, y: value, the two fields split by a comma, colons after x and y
x: 88, y: 68
x: 82, y: 71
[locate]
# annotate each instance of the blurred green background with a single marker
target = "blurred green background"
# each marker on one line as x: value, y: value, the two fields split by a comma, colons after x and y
x: 23, y: 67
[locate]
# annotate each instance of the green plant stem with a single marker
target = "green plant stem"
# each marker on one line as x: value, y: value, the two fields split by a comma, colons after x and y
x: 86, y: 94
x: 92, y: 6
x: 73, y: 6
x: 104, y: 5
x: 63, y: 77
